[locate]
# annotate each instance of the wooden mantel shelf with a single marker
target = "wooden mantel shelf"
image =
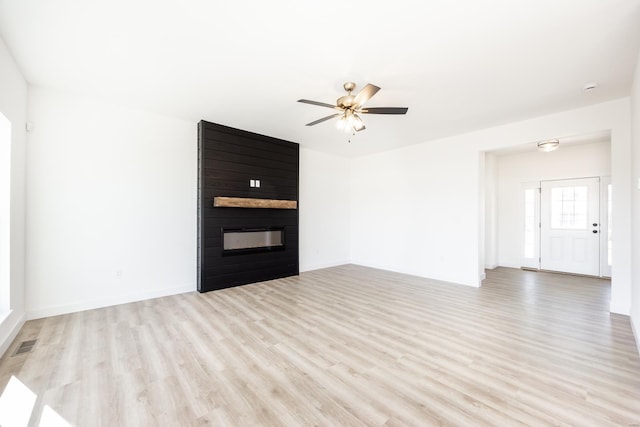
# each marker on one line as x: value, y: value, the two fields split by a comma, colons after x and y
x: 242, y: 202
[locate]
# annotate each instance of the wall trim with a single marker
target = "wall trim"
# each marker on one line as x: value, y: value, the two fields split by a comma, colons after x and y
x: 509, y: 265
x: 476, y: 285
x: 320, y: 266
x: 11, y: 332
x: 617, y: 308
x: 490, y: 266
x: 107, y: 302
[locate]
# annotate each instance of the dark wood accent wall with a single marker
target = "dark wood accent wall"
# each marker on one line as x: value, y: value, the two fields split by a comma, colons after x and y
x: 228, y: 159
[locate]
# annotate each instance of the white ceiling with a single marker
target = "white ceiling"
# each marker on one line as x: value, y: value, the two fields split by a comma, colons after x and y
x: 458, y: 65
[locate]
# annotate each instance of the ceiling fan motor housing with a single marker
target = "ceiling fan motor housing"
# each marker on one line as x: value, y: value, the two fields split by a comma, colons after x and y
x: 346, y: 102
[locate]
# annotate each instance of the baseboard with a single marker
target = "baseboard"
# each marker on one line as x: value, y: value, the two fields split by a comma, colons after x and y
x: 121, y: 299
x: 483, y: 276
x: 311, y: 267
x: 9, y: 328
x: 509, y: 265
x: 477, y: 284
x: 490, y: 266
x: 618, y: 308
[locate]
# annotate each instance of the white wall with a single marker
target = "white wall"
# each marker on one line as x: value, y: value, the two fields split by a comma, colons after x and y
x: 113, y: 189
x: 577, y: 161
x: 491, y: 211
x: 111, y: 204
x: 324, y: 210
x: 13, y: 105
x: 416, y: 210
x: 635, y: 189
x: 5, y: 214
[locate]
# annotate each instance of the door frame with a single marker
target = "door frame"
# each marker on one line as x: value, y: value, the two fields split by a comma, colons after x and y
x: 606, y: 190
x: 533, y: 262
x: 567, y: 237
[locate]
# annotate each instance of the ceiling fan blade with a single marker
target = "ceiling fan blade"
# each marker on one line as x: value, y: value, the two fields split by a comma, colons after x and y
x: 385, y: 110
x: 321, y: 104
x: 324, y: 119
x: 365, y: 94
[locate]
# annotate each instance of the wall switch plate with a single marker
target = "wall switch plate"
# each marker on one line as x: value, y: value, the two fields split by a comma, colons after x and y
x: 638, y: 183
x: 257, y: 183
x: 252, y: 183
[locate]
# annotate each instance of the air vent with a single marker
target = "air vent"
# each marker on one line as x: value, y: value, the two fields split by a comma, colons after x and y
x: 25, y: 347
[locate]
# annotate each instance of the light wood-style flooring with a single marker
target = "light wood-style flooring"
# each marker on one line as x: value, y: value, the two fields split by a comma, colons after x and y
x: 343, y: 346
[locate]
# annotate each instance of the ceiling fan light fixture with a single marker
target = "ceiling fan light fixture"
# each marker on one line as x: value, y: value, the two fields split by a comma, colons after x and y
x: 347, y: 121
x: 550, y: 145
x: 358, y: 124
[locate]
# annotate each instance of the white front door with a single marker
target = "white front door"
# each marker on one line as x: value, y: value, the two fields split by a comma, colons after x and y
x: 570, y: 226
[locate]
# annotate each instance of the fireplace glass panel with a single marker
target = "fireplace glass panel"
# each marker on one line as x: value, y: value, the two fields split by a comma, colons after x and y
x: 269, y: 239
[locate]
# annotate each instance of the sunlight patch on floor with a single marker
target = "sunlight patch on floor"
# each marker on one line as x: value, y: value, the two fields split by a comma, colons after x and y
x: 16, y: 406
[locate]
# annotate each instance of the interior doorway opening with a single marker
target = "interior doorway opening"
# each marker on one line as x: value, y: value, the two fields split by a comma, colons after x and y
x: 512, y: 217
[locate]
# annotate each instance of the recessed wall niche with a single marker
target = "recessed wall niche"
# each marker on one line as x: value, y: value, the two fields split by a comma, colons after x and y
x: 248, y: 195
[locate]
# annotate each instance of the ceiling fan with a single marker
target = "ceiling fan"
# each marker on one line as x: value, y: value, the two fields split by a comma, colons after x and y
x: 350, y: 106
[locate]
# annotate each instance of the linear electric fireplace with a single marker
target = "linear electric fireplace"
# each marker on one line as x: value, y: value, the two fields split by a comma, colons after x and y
x: 245, y: 240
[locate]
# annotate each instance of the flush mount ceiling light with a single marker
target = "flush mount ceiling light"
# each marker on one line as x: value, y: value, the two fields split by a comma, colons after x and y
x: 547, y: 146
x: 350, y: 106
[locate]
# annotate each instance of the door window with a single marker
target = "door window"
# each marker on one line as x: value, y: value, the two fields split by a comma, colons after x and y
x: 569, y: 208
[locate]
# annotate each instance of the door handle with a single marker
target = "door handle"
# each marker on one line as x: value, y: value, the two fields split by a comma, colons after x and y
x: 594, y: 231
x: 595, y: 224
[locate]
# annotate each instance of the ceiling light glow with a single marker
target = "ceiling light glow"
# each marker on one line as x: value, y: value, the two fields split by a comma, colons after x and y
x: 550, y: 145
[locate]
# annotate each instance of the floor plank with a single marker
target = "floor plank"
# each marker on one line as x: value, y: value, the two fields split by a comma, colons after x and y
x: 345, y: 346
